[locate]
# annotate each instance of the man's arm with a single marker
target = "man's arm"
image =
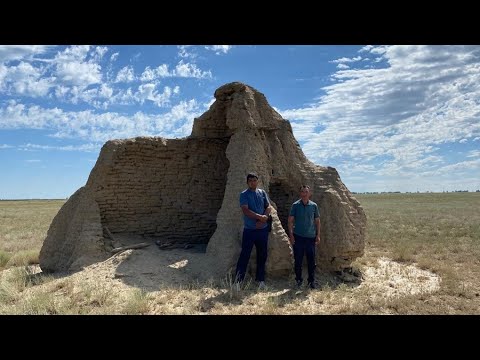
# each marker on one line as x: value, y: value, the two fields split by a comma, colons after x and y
x: 291, y: 219
x: 268, y: 210
x: 317, y: 225
x: 254, y: 215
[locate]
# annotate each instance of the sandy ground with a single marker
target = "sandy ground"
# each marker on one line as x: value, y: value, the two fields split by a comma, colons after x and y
x: 153, y: 269
x: 178, y: 271
x: 392, y: 279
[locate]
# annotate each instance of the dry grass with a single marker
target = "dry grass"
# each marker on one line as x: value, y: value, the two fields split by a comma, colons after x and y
x: 23, y: 227
x: 433, y: 240
x: 4, y: 258
x: 137, y: 303
x: 437, y: 232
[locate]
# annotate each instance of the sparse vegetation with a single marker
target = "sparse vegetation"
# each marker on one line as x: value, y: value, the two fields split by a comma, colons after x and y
x: 23, y: 227
x: 435, y: 233
x: 137, y: 303
x: 4, y: 258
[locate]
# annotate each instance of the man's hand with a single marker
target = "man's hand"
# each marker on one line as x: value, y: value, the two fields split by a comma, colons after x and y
x: 263, y: 219
x: 317, y: 240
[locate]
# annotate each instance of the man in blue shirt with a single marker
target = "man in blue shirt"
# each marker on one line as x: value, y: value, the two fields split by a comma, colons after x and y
x: 304, y: 234
x: 256, y: 208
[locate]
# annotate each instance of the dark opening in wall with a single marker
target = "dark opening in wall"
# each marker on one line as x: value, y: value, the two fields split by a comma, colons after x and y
x: 283, y: 195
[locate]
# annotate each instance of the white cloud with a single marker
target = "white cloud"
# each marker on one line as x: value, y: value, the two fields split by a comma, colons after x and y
x: 189, y: 70
x: 100, y: 51
x: 105, y: 91
x: 124, y: 97
x: 74, y: 75
x: 456, y: 168
x: 98, y: 128
x: 179, y: 120
x: 474, y: 153
x: 182, y: 69
x: 186, y: 51
x: 25, y: 79
x: 61, y: 92
x: 19, y: 52
x: 83, y: 147
x: 3, y: 75
x: 152, y: 74
x: 33, y: 161
x: 114, y: 57
x: 343, y: 66
x: 148, y: 74
x: 5, y: 146
x: 81, y: 74
x: 366, y: 48
x: 378, y: 50
x: 72, y: 67
x: 219, y: 49
x: 395, y: 117
x: 73, y: 54
x: 126, y: 74
x: 212, y: 100
x: 148, y: 92
x: 346, y: 60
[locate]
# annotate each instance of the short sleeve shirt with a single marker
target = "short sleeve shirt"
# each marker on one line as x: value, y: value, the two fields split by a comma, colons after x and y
x: 305, y: 216
x: 257, y: 201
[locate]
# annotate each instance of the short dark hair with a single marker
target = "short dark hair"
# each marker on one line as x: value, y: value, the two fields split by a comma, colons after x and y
x: 304, y: 187
x: 251, y: 176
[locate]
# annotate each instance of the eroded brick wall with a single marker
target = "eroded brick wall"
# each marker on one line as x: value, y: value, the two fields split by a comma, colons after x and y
x: 283, y: 195
x: 172, y: 190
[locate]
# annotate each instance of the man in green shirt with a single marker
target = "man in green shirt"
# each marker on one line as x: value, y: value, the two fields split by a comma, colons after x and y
x: 304, y: 234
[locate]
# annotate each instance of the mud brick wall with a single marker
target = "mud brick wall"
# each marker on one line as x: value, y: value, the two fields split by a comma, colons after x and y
x: 170, y: 189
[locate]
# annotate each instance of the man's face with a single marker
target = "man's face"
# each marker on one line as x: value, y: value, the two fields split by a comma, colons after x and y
x: 252, y: 183
x: 305, y: 194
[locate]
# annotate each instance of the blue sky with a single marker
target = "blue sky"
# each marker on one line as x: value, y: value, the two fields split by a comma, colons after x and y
x: 388, y: 118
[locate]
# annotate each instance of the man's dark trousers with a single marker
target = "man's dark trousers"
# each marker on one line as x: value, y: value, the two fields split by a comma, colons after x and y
x: 259, y: 238
x: 304, y: 245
